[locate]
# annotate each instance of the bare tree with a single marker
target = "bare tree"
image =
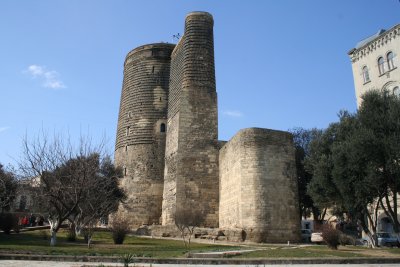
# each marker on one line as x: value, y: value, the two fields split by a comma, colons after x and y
x: 186, y: 220
x: 67, y: 176
x: 101, y: 198
x: 8, y: 188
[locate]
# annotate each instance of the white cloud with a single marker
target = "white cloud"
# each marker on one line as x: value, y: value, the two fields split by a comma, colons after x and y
x: 35, y: 70
x: 233, y: 113
x: 3, y: 129
x: 50, y: 78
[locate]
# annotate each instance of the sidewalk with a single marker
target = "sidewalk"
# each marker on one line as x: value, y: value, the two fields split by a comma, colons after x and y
x: 16, y: 263
x: 97, y: 260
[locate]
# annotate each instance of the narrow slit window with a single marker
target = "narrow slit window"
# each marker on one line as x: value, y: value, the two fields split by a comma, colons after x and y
x: 162, y: 128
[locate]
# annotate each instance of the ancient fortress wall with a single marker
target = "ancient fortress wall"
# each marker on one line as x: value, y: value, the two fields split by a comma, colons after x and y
x: 141, y: 132
x: 191, y: 168
x: 258, y: 187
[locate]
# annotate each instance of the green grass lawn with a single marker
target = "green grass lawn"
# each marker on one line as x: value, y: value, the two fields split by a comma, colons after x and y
x: 304, y: 252
x: 36, y: 242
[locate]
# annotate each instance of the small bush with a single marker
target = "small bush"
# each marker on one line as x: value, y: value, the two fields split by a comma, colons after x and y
x: 8, y: 222
x: 331, y: 236
x: 119, y: 229
x: 346, y: 240
x: 127, y: 259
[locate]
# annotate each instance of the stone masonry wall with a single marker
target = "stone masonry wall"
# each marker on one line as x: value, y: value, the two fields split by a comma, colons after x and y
x: 258, y: 187
x: 140, y: 144
x: 191, y: 172
x: 171, y: 156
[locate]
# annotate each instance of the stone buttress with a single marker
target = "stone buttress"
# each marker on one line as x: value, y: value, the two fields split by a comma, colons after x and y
x: 258, y: 186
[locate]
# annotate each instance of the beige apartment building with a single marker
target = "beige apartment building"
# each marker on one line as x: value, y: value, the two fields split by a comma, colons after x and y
x: 376, y: 66
x: 375, y: 62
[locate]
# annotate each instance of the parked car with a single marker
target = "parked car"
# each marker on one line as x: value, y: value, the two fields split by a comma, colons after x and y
x: 317, y: 238
x: 384, y: 240
x: 306, y: 235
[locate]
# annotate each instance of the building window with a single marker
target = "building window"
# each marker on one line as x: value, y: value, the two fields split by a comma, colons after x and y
x: 381, y: 65
x: 162, y: 128
x: 127, y: 131
x: 396, y: 91
x: 22, y: 203
x: 365, y: 74
x: 390, y: 63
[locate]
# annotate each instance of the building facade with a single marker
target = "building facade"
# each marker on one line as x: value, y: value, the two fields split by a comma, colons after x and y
x: 167, y: 144
x: 376, y: 66
x: 375, y: 63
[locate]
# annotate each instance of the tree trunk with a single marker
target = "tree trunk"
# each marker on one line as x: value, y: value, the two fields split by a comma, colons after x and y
x: 53, y: 239
x: 89, y: 242
x: 371, y: 231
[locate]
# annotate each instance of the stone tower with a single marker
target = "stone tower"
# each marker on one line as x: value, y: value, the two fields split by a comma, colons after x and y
x: 191, y: 158
x: 172, y: 160
x: 141, y: 132
x: 258, y: 186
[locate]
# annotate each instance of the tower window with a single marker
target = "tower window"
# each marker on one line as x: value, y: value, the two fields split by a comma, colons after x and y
x: 365, y: 74
x: 162, y: 128
x: 381, y: 65
x: 390, y: 63
x: 127, y: 131
x: 152, y: 71
x: 124, y: 171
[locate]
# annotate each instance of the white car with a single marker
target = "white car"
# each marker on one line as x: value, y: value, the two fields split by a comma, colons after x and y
x: 317, y: 237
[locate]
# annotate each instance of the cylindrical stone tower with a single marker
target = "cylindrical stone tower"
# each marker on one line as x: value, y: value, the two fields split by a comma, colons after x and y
x: 141, y: 132
x: 191, y: 157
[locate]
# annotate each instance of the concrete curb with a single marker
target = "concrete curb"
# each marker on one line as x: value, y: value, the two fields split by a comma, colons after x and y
x: 210, y: 261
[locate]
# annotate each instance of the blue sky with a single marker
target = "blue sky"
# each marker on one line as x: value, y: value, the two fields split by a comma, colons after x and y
x: 279, y: 64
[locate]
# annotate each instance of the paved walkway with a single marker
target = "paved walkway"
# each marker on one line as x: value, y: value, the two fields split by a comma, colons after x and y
x: 16, y: 263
